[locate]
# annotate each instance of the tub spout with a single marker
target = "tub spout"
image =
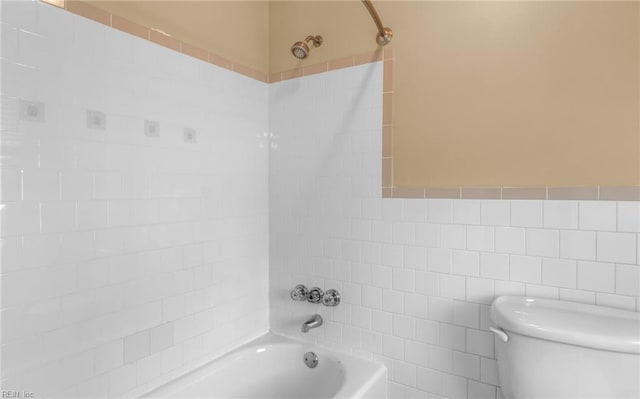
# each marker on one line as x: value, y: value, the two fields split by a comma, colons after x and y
x: 314, y: 322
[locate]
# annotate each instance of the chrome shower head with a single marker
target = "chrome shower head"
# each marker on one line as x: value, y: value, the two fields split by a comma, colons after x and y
x: 300, y: 50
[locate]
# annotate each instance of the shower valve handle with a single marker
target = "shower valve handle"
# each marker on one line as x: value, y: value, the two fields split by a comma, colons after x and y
x: 300, y: 293
x: 315, y: 295
x: 331, y: 298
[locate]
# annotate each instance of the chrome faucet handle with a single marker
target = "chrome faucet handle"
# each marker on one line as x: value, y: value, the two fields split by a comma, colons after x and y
x: 315, y: 295
x: 331, y: 298
x: 300, y: 293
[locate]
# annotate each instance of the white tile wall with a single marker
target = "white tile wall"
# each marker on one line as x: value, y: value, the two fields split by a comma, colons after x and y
x: 427, y: 270
x: 126, y: 259
x: 129, y: 259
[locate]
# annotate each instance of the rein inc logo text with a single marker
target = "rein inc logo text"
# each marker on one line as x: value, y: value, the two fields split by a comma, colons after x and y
x: 8, y: 393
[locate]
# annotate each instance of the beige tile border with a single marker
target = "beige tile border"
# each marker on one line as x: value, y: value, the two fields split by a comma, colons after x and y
x: 314, y: 69
x: 165, y: 40
x: 481, y: 192
x: 442, y: 192
x: 129, y: 27
x: 340, y: 63
x: 196, y: 52
x: 409, y: 192
x: 387, y: 55
x: 220, y: 61
x: 367, y: 58
x: 57, y: 3
x: 387, y: 130
x: 597, y: 193
x: 524, y: 193
x: 619, y: 193
x: 86, y: 10
x: 572, y: 193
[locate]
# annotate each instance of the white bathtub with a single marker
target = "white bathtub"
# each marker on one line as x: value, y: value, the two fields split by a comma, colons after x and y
x: 273, y: 367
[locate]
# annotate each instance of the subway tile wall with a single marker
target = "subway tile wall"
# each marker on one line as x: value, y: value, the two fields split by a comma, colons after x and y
x: 134, y: 219
x: 135, y: 224
x: 418, y: 276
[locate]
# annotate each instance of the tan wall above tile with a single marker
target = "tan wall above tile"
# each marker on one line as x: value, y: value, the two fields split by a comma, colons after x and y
x: 234, y: 30
x: 490, y: 94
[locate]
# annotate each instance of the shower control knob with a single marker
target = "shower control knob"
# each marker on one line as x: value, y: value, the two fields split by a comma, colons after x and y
x: 331, y: 298
x: 315, y: 295
x: 299, y: 293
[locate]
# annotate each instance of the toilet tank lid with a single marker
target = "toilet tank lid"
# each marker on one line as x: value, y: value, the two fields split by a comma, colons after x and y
x: 569, y: 322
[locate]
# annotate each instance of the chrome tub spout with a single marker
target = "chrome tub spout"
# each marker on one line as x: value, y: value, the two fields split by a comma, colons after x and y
x: 314, y: 322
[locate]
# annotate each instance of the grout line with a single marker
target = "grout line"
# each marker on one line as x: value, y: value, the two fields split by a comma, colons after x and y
x: 77, y: 225
x: 40, y: 217
x: 21, y: 184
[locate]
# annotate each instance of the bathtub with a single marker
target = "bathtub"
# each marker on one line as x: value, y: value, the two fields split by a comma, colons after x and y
x: 272, y: 366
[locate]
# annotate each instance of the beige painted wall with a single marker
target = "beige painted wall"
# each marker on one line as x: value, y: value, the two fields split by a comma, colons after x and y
x: 235, y: 30
x: 494, y: 93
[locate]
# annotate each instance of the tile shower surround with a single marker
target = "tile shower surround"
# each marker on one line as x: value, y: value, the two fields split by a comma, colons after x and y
x: 417, y: 275
x: 127, y: 258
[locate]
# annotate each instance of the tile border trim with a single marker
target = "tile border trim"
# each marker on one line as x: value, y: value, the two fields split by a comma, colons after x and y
x: 387, y: 56
x: 346, y: 62
x: 584, y: 193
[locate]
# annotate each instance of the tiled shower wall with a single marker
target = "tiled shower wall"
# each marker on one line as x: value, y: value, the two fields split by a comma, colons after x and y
x: 133, y: 205
x: 418, y: 276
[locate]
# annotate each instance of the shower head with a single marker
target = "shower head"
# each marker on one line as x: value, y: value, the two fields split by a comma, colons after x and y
x: 300, y: 50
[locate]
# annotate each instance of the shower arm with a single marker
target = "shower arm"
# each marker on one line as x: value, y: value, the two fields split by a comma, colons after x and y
x: 317, y: 40
x: 385, y: 34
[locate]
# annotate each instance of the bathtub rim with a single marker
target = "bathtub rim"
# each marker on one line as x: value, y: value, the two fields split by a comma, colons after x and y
x: 349, y: 388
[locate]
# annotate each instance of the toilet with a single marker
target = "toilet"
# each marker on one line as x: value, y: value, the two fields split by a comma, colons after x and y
x: 547, y: 349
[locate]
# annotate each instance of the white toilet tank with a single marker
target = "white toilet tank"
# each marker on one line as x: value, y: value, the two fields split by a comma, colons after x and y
x: 553, y: 349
